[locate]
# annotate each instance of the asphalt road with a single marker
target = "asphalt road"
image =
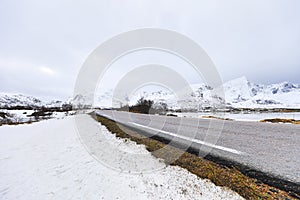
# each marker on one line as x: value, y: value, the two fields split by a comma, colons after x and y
x: 271, y: 148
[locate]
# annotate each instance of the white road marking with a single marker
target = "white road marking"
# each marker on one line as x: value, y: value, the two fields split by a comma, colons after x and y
x: 191, y: 139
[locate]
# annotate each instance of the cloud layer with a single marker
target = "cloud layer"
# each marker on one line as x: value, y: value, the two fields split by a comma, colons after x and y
x: 44, y: 43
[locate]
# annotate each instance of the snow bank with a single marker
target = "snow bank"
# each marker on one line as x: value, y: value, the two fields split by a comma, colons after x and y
x: 46, y: 160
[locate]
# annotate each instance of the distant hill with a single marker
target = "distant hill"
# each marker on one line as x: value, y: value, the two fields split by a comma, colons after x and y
x: 239, y: 93
x: 24, y: 101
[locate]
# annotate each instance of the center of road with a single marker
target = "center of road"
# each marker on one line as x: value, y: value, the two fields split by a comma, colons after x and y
x: 234, y: 151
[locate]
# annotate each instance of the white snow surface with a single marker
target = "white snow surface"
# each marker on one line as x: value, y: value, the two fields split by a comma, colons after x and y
x: 19, y: 116
x: 46, y: 160
x: 240, y: 116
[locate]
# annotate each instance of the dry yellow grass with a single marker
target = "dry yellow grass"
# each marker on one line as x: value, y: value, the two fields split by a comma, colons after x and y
x: 280, y: 120
x: 213, y: 117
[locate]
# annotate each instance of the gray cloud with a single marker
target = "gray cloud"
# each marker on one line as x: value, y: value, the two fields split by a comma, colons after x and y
x: 258, y: 39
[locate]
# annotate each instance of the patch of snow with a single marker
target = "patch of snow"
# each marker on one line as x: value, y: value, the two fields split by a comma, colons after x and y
x: 16, y: 116
x: 23, y: 116
x: 241, y: 116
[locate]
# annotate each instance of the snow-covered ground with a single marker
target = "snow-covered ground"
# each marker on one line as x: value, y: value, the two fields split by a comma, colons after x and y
x: 21, y: 116
x: 17, y: 115
x: 242, y: 116
x: 46, y: 160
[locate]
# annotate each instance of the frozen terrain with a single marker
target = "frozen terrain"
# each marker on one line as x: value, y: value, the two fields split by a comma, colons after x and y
x: 46, y: 160
x: 241, y: 116
x: 27, y: 116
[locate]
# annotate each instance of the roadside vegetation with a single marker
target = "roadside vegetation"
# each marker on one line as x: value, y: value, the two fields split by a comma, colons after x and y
x: 6, y: 119
x: 230, y: 177
x: 42, y: 113
x: 280, y: 120
x: 213, y: 117
x: 145, y: 106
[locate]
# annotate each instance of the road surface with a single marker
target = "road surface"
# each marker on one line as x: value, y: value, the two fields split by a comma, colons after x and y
x: 271, y: 148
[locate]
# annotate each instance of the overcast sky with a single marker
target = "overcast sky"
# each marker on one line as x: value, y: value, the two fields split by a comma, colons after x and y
x: 44, y: 43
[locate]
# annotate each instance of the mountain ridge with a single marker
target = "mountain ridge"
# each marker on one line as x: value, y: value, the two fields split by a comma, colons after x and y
x: 238, y: 93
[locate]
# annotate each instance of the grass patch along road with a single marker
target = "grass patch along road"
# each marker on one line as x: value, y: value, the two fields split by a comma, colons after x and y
x: 279, y: 120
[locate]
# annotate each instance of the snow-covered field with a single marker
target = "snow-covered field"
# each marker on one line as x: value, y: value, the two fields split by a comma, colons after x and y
x: 46, y: 160
x: 18, y: 115
x: 242, y: 116
x: 21, y: 116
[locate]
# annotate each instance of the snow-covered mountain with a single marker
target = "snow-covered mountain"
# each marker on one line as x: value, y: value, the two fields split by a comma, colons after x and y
x: 237, y: 93
x: 242, y: 93
x: 13, y: 100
